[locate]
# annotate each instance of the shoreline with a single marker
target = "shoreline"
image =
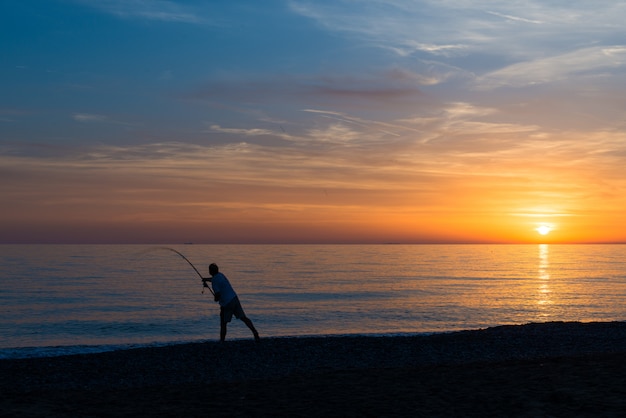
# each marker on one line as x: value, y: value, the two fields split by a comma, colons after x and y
x: 33, y: 352
x: 50, y: 352
x: 362, y: 373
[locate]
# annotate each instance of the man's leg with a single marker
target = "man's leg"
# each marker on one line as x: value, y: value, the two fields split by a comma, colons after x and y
x: 222, y: 326
x: 248, y: 322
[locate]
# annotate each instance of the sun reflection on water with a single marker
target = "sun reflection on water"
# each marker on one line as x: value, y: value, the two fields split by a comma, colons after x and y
x: 544, y: 277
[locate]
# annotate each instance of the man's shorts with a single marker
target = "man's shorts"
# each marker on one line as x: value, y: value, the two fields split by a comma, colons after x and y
x: 232, y: 308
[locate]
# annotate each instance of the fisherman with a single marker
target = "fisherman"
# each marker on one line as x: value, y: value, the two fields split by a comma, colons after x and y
x: 229, y: 302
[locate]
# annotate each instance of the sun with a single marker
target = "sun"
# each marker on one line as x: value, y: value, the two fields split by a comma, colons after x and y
x: 544, y: 229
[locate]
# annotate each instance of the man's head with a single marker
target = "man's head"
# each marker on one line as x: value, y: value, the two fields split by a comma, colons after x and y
x: 213, y: 269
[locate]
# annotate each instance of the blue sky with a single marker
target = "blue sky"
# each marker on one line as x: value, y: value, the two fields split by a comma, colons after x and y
x: 311, y: 121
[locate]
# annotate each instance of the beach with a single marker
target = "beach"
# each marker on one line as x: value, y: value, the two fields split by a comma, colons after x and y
x: 549, y: 369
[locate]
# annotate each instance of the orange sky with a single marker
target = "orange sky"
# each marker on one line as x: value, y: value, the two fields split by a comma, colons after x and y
x: 352, y: 132
x: 417, y: 194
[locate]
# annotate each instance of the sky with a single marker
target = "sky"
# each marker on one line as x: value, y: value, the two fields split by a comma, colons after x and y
x: 301, y: 121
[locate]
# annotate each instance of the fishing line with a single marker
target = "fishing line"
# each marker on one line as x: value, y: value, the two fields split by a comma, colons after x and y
x: 192, y: 266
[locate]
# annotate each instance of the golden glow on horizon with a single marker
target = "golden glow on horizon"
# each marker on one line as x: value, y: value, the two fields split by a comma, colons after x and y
x: 342, y: 201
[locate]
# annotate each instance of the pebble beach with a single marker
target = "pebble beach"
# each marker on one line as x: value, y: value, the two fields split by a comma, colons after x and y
x: 533, y: 370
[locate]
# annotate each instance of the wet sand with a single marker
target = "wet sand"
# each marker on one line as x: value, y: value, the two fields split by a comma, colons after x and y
x: 553, y: 370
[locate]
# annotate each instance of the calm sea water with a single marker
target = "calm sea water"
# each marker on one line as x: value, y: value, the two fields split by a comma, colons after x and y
x: 57, y: 299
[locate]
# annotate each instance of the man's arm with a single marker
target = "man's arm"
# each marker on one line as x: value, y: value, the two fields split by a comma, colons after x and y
x: 216, y: 294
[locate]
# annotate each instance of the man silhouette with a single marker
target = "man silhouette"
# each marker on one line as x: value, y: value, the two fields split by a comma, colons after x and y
x: 229, y: 302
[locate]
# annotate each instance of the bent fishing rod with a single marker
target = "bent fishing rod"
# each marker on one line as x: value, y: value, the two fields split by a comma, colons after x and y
x: 192, y: 266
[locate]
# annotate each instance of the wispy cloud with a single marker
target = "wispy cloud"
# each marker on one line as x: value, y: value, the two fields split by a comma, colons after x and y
x: 387, y: 128
x: 579, y: 63
x: 88, y: 117
x: 366, y: 162
x: 459, y: 28
x: 161, y: 10
x: 516, y: 18
x: 240, y: 131
x: 93, y: 118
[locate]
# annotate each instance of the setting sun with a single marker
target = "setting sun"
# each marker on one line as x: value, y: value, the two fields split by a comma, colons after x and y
x: 544, y: 229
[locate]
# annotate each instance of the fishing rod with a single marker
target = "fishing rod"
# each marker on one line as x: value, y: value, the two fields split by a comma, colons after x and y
x: 192, y: 266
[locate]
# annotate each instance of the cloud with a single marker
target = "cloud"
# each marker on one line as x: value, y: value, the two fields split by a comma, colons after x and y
x: 92, y: 118
x: 353, y: 89
x: 160, y: 10
x: 410, y: 47
x: 463, y: 110
x: 516, y: 18
x: 88, y: 117
x: 336, y: 154
x: 394, y: 129
x: 579, y: 63
x: 242, y: 132
x: 446, y: 29
x: 396, y: 87
x: 397, y: 25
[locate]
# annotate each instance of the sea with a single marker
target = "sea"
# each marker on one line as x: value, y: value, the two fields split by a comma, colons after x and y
x: 73, y: 299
